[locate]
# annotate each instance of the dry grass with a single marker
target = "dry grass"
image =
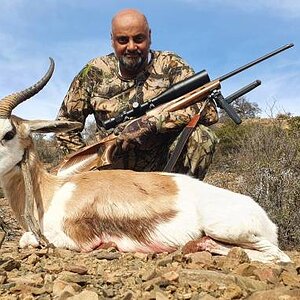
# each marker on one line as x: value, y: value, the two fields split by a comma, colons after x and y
x: 266, y: 160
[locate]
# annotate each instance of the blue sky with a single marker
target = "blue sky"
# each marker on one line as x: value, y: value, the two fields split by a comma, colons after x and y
x: 216, y: 35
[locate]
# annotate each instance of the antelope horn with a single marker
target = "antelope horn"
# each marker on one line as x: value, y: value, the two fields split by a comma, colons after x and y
x: 8, y: 103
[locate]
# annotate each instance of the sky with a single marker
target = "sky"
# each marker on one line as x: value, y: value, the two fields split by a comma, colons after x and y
x: 216, y: 35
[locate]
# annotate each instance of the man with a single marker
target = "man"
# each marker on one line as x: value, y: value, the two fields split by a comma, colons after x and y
x: 109, y: 85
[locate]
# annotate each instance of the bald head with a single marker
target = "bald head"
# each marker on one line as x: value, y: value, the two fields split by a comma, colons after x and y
x: 128, y: 18
x: 131, y: 39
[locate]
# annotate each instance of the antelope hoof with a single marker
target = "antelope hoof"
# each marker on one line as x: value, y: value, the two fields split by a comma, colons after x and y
x: 28, y: 239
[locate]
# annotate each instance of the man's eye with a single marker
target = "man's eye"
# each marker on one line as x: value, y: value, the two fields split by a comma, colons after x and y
x: 139, y: 39
x: 122, y: 40
x: 9, y: 135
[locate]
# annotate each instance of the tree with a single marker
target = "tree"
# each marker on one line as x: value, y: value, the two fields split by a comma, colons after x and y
x: 244, y: 108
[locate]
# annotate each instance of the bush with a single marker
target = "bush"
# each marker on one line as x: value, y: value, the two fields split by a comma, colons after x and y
x: 267, y: 160
x: 47, y: 149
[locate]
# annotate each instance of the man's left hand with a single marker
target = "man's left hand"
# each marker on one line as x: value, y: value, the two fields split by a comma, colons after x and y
x: 136, y: 133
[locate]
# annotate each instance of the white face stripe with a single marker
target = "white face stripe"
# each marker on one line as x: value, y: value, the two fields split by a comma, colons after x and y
x: 11, y: 151
x: 5, y: 126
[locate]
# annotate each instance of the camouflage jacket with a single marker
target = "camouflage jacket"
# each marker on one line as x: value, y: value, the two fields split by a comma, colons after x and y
x: 99, y: 89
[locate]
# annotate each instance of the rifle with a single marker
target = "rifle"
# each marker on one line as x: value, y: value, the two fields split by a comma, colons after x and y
x: 199, y: 84
x: 181, y: 95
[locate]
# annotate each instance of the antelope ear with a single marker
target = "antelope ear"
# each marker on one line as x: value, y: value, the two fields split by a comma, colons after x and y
x: 45, y: 126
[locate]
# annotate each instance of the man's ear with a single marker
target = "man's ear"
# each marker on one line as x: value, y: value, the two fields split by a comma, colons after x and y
x: 150, y: 41
x: 112, y: 40
x: 45, y: 126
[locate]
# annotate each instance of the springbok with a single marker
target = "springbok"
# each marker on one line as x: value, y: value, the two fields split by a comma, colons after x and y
x: 136, y: 211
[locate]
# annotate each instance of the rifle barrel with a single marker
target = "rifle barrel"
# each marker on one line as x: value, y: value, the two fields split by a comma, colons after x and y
x: 241, y: 92
x: 256, y: 61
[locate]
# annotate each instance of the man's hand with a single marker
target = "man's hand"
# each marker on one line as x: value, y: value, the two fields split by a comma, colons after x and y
x: 136, y: 134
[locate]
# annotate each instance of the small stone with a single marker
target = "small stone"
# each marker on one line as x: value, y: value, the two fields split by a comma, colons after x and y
x: 290, y: 279
x: 33, y: 259
x: 149, y: 274
x: 245, y: 269
x: 268, y: 274
x: 171, y: 276
x: 233, y: 291
x: 28, y: 279
x: 160, y: 296
x: 108, y: 255
x: 53, y: 267
x: 2, y: 237
x: 140, y: 255
x: 76, y: 269
x: 164, y: 261
x: 3, y: 277
x: 65, y: 295
x: 85, y: 295
x: 60, y: 286
x: 203, y: 258
x: 238, y: 254
x: 10, y: 265
x: 128, y: 296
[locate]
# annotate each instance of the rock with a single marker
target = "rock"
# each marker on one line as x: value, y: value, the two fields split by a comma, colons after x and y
x: 203, y: 258
x: 46, y: 274
x: 9, y: 265
x: 84, y: 295
x: 238, y: 254
x: 28, y: 279
x: 148, y: 274
x: 268, y: 274
x: 3, y: 277
x: 107, y: 255
x: 277, y: 293
x: 59, y: 286
x: 33, y: 259
x: 2, y: 237
x: 170, y: 276
x: 290, y: 279
x: 76, y: 269
x: 245, y: 269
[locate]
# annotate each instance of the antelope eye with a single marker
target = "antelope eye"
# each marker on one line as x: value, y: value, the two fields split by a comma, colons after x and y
x: 9, y: 135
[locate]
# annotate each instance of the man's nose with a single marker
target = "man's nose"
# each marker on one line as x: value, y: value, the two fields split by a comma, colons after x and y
x: 131, y: 45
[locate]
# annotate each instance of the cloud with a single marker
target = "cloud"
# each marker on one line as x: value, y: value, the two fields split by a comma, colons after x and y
x: 20, y: 69
x: 282, y: 8
x: 72, y: 32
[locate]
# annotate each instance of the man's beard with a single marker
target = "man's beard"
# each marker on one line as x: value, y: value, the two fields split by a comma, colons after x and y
x: 132, y: 64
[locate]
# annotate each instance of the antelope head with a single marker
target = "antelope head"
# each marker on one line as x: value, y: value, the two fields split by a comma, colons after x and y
x: 15, y: 132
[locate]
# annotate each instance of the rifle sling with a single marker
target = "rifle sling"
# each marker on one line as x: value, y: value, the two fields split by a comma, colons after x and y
x: 184, y: 136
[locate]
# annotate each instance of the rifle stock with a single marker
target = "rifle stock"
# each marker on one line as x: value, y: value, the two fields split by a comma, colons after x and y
x: 186, y: 100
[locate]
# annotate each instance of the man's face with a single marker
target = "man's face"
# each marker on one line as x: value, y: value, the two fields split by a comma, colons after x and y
x: 131, y: 39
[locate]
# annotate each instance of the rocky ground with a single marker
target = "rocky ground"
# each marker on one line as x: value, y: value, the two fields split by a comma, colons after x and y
x: 108, y: 274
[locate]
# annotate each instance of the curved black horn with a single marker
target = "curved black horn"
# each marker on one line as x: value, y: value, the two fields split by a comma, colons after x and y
x: 8, y: 103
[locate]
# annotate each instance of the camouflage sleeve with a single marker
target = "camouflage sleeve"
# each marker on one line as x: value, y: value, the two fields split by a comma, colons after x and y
x: 179, y: 71
x: 75, y: 107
